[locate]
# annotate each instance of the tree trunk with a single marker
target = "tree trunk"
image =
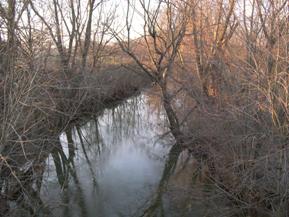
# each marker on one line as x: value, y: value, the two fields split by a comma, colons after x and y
x: 171, y: 114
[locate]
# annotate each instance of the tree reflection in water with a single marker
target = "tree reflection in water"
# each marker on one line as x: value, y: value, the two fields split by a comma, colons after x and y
x: 110, y: 165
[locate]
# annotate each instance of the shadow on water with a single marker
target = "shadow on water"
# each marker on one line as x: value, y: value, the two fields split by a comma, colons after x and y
x: 156, y: 204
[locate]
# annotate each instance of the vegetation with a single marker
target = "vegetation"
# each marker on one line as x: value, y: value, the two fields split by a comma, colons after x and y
x: 221, y: 69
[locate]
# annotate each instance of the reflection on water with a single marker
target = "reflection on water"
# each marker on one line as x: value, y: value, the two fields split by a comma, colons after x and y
x: 109, y: 166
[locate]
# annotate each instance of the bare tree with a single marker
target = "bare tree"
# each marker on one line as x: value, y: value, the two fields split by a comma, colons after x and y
x: 162, y: 36
x: 271, y: 25
x: 221, y: 30
x: 72, y: 22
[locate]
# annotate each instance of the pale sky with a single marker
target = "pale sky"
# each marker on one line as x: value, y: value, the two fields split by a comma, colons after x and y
x: 135, y: 14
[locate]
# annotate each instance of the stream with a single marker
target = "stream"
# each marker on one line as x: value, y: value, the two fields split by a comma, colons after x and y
x: 111, y: 165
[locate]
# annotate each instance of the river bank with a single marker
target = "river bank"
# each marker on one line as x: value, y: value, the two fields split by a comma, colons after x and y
x: 43, y: 113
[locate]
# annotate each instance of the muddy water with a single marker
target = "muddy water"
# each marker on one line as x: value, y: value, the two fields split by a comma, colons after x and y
x: 110, y: 165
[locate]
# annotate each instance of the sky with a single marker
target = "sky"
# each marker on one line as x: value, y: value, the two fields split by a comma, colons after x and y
x: 135, y: 15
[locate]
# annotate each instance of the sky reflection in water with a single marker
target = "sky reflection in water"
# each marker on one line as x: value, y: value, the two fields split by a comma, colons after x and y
x: 119, y: 166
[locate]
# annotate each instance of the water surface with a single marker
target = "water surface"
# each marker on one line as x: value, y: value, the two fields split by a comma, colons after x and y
x: 110, y: 165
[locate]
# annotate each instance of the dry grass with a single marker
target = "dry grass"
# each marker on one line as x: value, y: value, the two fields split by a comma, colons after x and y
x: 35, y: 110
x: 239, y: 140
